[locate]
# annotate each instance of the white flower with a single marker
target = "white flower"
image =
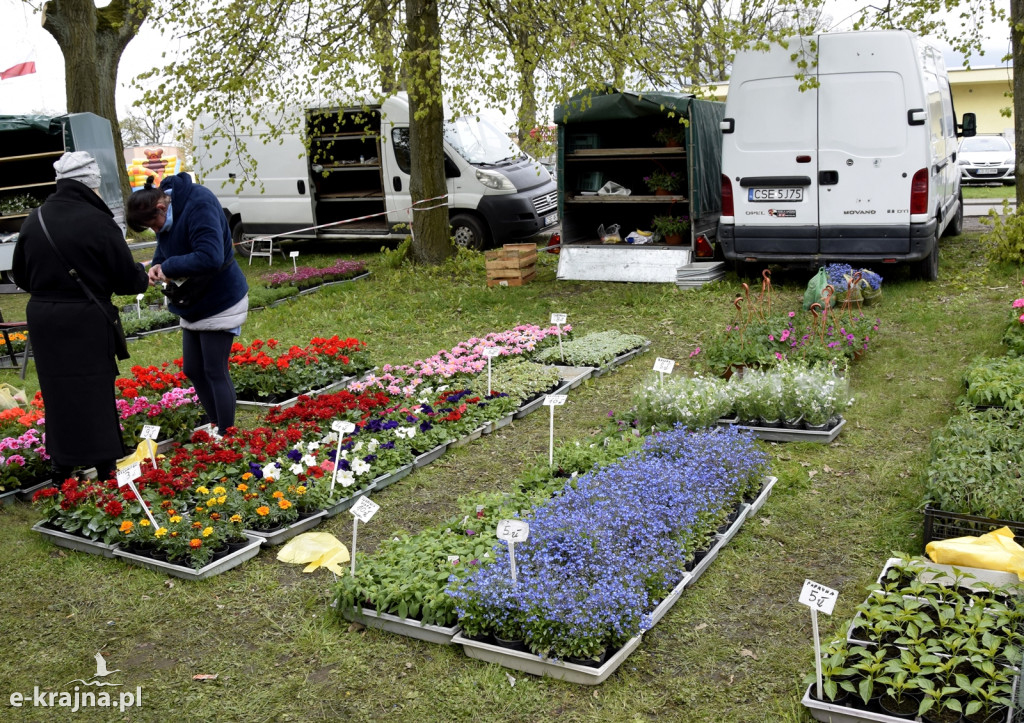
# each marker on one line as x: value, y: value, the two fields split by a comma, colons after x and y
x: 346, y: 478
x: 358, y: 446
x: 360, y: 467
x: 271, y: 471
x: 405, y: 432
x: 296, y: 468
x: 313, y: 446
x: 372, y: 445
x: 309, y: 460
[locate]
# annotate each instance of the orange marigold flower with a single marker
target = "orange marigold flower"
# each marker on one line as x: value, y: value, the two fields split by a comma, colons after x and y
x: 247, y: 476
x: 263, y: 511
x: 236, y: 518
x: 196, y: 525
x: 278, y: 494
x: 242, y: 487
x: 215, y: 516
x: 127, y: 526
x: 283, y: 503
x: 195, y: 543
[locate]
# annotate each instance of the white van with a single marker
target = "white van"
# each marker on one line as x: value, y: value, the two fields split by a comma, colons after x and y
x: 860, y: 166
x: 357, y: 167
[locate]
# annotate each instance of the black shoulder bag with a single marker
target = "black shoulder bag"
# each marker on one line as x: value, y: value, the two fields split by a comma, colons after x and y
x: 120, y: 342
x: 190, y: 290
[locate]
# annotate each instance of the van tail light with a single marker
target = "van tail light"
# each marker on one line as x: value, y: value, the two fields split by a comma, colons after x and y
x: 919, y: 192
x: 727, y: 206
x: 703, y: 248
x: 554, y: 244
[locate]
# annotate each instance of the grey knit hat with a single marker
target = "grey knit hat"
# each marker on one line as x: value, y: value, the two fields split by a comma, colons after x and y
x: 80, y: 166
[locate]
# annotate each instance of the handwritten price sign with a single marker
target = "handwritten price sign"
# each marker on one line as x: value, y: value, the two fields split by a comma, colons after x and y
x: 664, y: 366
x: 364, y: 509
x: 818, y: 597
x: 513, y: 530
x: 558, y: 319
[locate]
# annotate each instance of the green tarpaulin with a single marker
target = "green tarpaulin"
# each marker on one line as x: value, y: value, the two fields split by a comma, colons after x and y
x: 704, y: 136
x: 43, y: 123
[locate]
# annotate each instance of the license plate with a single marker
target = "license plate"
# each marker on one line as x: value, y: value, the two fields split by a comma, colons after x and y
x: 988, y: 171
x: 775, y: 194
x: 551, y: 219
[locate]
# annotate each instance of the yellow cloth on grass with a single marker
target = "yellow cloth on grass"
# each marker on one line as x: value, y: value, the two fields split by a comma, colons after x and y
x: 994, y: 550
x: 319, y: 549
x: 142, y: 454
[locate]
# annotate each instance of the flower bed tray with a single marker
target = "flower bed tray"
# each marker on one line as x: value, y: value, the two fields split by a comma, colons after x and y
x: 759, y: 501
x: 386, y: 480
x: 333, y: 283
x: 233, y: 559
x: 709, y: 557
x: 25, y: 493
x: 72, y: 541
x: 536, y: 665
x: 462, y: 441
x: 402, y: 626
x: 536, y: 404
x: 940, y: 525
x: 831, y: 713
x: 340, y: 506
x: 665, y: 605
x: 173, y: 327
x: 291, y: 402
x: 283, y: 534
x: 430, y: 455
x: 10, y: 497
x: 779, y: 434
x: 621, y: 359
x: 574, y: 375
x: 492, y: 427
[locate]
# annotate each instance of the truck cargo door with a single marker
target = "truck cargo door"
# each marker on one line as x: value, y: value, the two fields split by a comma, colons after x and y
x: 864, y: 168
x: 396, y: 168
x: 772, y: 167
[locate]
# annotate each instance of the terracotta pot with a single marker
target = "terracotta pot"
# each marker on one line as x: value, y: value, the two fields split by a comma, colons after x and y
x: 662, y: 192
x: 674, y: 240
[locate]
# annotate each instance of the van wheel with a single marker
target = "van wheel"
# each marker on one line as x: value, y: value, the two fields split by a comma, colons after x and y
x: 928, y: 267
x: 243, y: 246
x: 469, y: 232
x: 956, y: 226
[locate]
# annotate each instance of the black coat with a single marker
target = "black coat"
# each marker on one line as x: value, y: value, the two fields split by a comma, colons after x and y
x: 72, y: 338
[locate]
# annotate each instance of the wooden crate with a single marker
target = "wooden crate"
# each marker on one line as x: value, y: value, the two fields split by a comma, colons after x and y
x: 511, y: 265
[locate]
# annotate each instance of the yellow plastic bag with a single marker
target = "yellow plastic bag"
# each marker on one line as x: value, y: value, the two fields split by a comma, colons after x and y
x: 11, y: 397
x: 319, y: 549
x: 142, y: 454
x: 994, y: 550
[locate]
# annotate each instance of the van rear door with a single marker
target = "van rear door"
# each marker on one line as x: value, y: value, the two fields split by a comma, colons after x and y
x: 771, y: 158
x: 865, y: 165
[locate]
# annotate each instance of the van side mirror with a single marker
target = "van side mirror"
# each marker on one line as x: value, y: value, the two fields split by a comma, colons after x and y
x: 969, y: 127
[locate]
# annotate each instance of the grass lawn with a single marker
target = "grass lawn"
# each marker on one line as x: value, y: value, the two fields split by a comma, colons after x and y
x: 997, y: 192
x: 734, y: 648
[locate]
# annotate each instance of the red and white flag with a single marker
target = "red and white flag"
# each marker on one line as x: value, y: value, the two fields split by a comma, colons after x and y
x: 27, y: 66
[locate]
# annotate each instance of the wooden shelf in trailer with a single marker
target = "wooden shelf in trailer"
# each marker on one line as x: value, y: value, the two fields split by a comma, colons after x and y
x: 625, y: 199
x: 29, y: 185
x: 603, y: 153
x: 30, y: 156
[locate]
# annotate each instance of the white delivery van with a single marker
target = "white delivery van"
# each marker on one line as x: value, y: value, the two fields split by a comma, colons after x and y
x: 350, y: 163
x: 860, y: 166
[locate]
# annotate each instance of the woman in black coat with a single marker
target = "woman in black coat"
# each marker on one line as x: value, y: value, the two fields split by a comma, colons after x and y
x: 72, y: 337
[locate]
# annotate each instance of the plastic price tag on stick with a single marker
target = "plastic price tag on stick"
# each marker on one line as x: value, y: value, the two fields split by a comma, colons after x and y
x: 663, y: 367
x: 126, y: 478
x: 342, y: 428
x: 150, y: 432
x: 513, y: 531
x: 490, y: 352
x: 552, y: 401
x: 818, y: 597
x: 364, y: 509
x: 558, y: 320
x: 138, y: 304
x: 295, y: 265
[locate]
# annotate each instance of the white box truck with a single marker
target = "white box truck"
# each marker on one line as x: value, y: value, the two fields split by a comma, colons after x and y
x: 353, y: 163
x: 858, y: 166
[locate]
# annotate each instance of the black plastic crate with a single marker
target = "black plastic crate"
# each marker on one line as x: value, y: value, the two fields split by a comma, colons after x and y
x: 939, y: 525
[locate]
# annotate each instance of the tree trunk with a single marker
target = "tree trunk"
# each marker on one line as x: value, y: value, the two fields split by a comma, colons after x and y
x: 92, y: 40
x: 431, y: 237
x: 1017, y: 45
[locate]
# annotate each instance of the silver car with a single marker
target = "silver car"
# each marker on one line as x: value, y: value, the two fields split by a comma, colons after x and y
x: 986, y: 159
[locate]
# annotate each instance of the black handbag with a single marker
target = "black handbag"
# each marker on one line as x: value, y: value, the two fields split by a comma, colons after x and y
x: 190, y: 290
x: 120, y: 341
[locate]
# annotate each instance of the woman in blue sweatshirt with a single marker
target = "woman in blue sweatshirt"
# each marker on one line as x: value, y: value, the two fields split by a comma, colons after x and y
x: 194, y: 244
